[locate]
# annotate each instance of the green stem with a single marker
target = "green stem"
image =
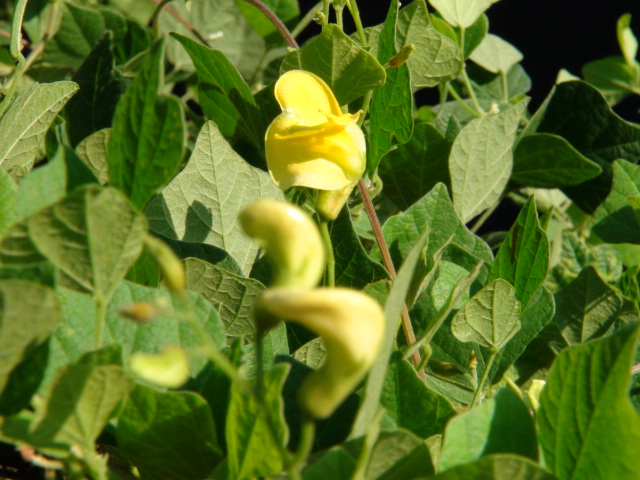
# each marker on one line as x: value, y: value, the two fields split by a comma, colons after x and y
x: 483, y: 218
x: 101, y: 319
x: 282, y: 28
x: 339, y: 9
x: 461, y: 101
x: 505, y: 92
x: 325, y: 11
x: 307, y: 436
x: 15, y: 49
x: 156, y: 15
x: 370, y: 440
x: 466, y: 80
x: 485, y: 375
x: 355, y: 13
x: 331, y: 259
x: 306, y: 20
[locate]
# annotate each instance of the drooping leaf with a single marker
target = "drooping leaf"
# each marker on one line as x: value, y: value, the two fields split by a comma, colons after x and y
x: 168, y: 435
x: 411, y: 170
x: 587, y: 426
x: 224, y: 96
x: 354, y: 268
x: 436, y: 57
x: 147, y: 138
x: 586, y: 308
x: 501, y: 424
x: 26, y: 121
x: 410, y: 403
x: 349, y: 70
x: 461, y: 13
x: 495, y: 54
x: 253, y: 445
x: 614, y: 220
x: 544, y: 160
x: 497, y: 467
x: 93, y: 236
x: 569, y: 112
x: 101, y: 86
x: 202, y: 203
x: 491, y: 318
x: 390, y: 109
x: 481, y: 161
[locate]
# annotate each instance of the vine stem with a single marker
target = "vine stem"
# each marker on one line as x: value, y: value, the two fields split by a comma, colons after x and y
x: 186, y: 24
x: 307, y: 436
x: 282, y: 28
x: 466, y: 80
x: 15, y: 49
x: 407, y: 327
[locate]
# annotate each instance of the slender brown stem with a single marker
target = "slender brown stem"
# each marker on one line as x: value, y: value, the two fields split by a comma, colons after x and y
x: 388, y: 264
x: 635, y: 369
x: 5, y: 34
x: 186, y: 24
x: 282, y: 28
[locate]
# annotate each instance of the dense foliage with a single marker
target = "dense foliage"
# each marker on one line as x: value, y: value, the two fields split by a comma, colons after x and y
x: 140, y: 332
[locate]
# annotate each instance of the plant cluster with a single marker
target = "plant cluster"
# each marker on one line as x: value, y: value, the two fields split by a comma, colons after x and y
x: 179, y: 177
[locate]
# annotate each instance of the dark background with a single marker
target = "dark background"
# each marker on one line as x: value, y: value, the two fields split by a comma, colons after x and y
x: 551, y: 34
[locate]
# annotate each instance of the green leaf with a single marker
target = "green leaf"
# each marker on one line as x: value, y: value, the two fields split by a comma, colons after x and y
x: 586, y: 308
x: 433, y: 212
x: 461, y: 13
x: 168, y: 435
x: 481, y: 160
x: 232, y: 294
x: 411, y: 170
x: 93, y: 152
x: 523, y: 257
x: 80, y: 28
x: 614, y: 220
x: 202, y: 203
x: 23, y: 304
x: 253, y: 446
x: 335, y: 463
x: 587, y: 426
x: 75, y: 337
x: 501, y: 424
x: 544, y: 160
x: 147, y: 138
x: 579, y: 113
x: 42, y: 187
x: 8, y: 205
x: 208, y: 253
x: 490, y: 86
x: 436, y: 57
x: 354, y: 268
x: 221, y: 24
x: 627, y: 40
x: 613, y: 77
x: 224, y: 96
x: 101, y: 86
x: 349, y: 70
x: 496, y: 55
x: 81, y: 400
x: 78, y: 236
x: 497, y: 467
x: 392, y: 308
x: 391, y: 105
x: 410, y: 403
x: 491, y: 318
x: 26, y: 121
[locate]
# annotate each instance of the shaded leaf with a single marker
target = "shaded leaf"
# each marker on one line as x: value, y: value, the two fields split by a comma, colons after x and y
x: 8, y: 190
x: 587, y: 426
x: 147, y: 138
x: 93, y: 152
x: 497, y: 467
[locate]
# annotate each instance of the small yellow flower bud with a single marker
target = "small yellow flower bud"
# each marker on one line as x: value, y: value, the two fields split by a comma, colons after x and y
x: 140, y: 312
x: 169, y: 368
x: 291, y: 240
x: 351, y: 325
x: 312, y: 143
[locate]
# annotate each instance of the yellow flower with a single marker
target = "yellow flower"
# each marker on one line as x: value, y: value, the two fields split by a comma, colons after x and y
x: 312, y: 143
x: 351, y: 325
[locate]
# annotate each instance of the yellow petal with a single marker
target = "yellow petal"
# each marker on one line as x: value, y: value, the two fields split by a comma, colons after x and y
x: 307, y: 96
x: 169, y: 368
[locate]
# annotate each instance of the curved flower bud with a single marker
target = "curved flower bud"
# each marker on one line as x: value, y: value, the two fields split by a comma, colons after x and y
x: 312, y: 143
x: 351, y: 325
x: 291, y: 239
x: 169, y: 368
